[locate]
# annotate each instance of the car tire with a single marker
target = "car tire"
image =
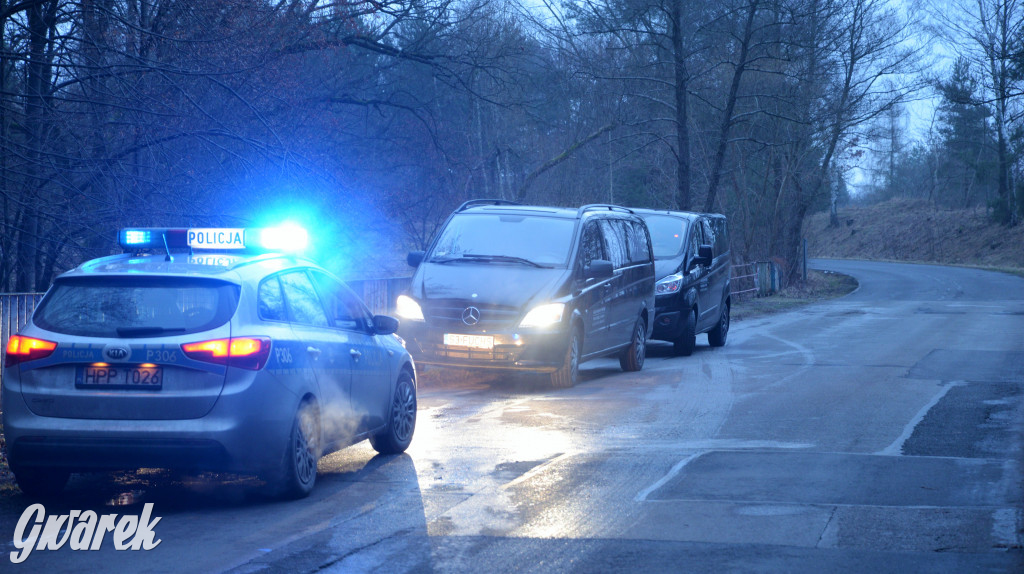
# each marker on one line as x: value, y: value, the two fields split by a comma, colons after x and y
x: 303, y: 452
x: 687, y: 340
x: 397, y: 434
x: 632, y: 358
x: 569, y: 373
x: 41, y: 482
x: 718, y: 335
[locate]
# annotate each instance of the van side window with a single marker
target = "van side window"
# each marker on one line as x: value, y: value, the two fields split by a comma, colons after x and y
x: 696, y: 238
x: 615, y: 242
x: 591, y: 246
x: 709, y: 237
x: 721, y: 229
x: 637, y: 238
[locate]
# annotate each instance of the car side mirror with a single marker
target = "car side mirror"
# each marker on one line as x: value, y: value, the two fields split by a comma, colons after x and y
x: 414, y: 258
x: 705, y: 256
x: 599, y: 269
x: 384, y: 325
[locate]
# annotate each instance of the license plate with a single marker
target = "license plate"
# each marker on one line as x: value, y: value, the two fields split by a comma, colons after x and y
x: 474, y: 341
x: 123, y: 376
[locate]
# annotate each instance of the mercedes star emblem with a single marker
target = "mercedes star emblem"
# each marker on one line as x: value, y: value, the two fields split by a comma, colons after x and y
x: 471, y: 316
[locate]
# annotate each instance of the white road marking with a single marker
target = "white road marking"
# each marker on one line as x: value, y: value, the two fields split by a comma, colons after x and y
x: 896, y: 448
x: 643, y: 494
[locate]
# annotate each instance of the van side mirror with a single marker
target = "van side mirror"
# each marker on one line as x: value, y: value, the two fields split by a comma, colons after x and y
x: 599, y: 269
x: 384, y: 325
x: 704, y: 257
x: 414, y: 258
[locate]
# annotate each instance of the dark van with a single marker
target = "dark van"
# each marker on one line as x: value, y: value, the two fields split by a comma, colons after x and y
x: 529, y: 288
x: 693, y: 267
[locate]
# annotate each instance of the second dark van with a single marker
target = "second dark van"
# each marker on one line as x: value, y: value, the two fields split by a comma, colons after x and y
x: 693, y: 267
x: 532, y: 288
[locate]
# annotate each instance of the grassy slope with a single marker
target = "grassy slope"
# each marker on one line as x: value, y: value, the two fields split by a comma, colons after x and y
x: 905, y: 230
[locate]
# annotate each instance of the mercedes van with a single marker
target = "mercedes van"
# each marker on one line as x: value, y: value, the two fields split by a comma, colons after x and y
x: 531, y: 288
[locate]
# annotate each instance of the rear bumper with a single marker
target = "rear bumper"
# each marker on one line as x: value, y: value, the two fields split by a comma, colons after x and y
x: 244, y: 432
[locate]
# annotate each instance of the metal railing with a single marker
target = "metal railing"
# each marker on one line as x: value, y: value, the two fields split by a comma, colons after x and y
x: 758, y: 279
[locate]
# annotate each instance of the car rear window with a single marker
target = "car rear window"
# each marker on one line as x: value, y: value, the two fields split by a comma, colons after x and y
x: 136, y: 306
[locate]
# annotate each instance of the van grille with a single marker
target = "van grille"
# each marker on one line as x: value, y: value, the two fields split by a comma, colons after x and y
x: 449, y: 312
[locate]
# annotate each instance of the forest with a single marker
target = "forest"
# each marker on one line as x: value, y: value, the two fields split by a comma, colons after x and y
x: 371, y: 121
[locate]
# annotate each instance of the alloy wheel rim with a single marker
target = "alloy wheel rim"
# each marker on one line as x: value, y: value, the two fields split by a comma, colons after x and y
x: 404, y: 410
x: 574, y: 365
x: 305, y: 462
x: 641, y: 343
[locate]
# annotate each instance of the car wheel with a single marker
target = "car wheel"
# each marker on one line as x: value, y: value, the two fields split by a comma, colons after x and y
x: 41, y: 482
x: 303, y: 453
x: 687, y: 340
x: 718, y: 335
x: 569, y: 373
x: 632, y: 359
x: 397, y: 435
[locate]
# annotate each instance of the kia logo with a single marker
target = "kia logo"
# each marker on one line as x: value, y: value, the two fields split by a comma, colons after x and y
x: 116, y: 353
x: 471, y: 316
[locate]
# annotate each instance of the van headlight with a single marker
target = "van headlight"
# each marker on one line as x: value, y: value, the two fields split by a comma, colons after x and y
x: 407, y: 308
x: 668, y: 285
x: 543, y: 315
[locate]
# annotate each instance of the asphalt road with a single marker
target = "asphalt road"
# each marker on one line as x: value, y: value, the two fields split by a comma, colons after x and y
x: 879, y: 432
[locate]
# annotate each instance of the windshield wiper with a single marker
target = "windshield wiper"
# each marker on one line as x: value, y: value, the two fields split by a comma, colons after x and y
x: 509, y: 258
x: 143, y: 331
x: 445, y: 259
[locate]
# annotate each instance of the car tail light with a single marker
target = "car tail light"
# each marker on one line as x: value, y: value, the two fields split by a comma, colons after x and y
x: 244, y: 352
x: 21, y: 349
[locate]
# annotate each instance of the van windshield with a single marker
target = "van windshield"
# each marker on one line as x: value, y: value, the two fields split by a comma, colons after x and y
x: 510, y: 239
x: 667, y: 235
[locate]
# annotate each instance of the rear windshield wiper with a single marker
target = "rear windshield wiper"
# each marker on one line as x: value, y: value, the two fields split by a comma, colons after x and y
x: 144, y: 331
x: 509, y: 258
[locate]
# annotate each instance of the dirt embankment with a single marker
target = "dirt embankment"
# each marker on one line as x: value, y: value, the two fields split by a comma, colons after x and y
x: 914, y: 230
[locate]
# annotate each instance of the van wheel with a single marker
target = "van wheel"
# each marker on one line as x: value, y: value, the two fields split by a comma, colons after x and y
x: 718, y: 335
x: 41, y: 482
x: 632, y: 359
x: 397, y: 435
x: 569, y: 373
x: 297, y: 478
x: 683, y: 346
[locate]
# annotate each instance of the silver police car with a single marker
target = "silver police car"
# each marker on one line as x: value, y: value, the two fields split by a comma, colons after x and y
x: 208, y: 354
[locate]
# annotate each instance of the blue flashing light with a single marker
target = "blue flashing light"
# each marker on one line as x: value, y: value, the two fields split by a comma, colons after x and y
x: 288, y: 237
x: 136, y: 236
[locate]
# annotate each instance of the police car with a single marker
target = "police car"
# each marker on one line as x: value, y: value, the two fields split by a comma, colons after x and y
x: 202, y: 349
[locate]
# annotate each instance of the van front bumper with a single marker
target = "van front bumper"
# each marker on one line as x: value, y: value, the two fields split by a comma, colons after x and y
x: 533, y: 351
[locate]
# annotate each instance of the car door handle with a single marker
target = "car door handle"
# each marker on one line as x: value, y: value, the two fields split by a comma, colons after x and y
x: 313, y: 351
x: 355, y: 354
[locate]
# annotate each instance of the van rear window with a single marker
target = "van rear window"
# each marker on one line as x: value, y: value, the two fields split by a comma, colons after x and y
x: 136, y: 306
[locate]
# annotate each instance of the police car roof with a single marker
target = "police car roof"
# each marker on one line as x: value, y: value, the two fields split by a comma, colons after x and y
x: 225, y: 266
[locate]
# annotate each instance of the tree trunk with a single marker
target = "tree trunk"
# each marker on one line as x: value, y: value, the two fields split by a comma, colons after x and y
x: 682, y: 80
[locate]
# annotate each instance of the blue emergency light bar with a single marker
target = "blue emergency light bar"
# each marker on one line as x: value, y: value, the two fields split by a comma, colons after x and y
x: 284, y: 238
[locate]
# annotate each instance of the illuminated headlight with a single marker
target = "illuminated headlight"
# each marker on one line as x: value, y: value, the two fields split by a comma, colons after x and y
x: 407, y: 308
x: 670, y: 284
x: 543, y: 315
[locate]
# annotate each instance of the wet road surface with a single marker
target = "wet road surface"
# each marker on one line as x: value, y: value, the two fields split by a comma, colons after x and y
x: 878, y: 432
